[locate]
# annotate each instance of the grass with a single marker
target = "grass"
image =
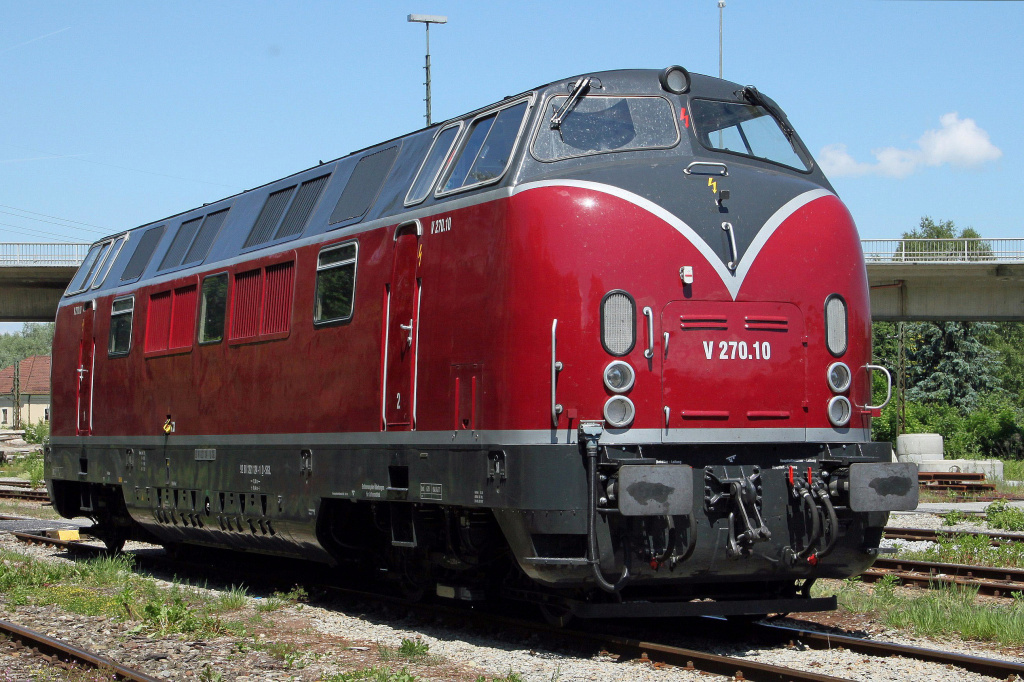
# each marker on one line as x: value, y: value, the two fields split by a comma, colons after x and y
x: 109, y: 587
x: 373, y: 674
x: 945, y: 611
x: 970, y: 549
x: 1000, y: 515
x: 29, y: 467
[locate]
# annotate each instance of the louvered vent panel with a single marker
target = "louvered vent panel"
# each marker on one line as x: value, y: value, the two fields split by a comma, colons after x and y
x: 183, y: 317
x: 158, y: 321
x: 618, y: 325
x: 143, y: 252
x: 204, y: 240
x: 277, y: 301
x: 270, y: 216
x: 302, y: 207
x: 363, y: 186
x: 245, y: 308
x: 180, y: 244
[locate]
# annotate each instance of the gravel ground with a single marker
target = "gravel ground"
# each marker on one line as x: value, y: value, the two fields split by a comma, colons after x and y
x: 321, y: 640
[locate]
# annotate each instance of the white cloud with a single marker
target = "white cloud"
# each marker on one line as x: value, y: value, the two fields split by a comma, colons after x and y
x: 959, y: 143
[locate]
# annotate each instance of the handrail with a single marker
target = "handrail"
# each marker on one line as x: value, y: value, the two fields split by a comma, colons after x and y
x: 48, y: 254
x: 556, y: 367
x: 970, y: 250
x: 888, y: 387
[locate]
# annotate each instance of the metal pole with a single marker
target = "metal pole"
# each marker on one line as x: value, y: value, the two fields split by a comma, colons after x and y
x: 721, y: 6
x: 427, y: 20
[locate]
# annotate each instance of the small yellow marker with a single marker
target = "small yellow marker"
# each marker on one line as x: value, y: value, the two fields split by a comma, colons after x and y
x: 63, y: 534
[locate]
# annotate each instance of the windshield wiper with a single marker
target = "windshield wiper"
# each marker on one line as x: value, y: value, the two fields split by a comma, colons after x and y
x: 751, y: 94
x: 578, y: 89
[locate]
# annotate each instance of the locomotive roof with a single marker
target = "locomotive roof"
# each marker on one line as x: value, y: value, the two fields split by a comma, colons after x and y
x: 399, y: 157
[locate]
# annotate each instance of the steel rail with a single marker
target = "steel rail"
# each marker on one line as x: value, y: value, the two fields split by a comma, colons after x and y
x: 930, y: 535
x: 990, y: 580
x: 992, y: 667
x: 29, y: 495
x: 69, y: 652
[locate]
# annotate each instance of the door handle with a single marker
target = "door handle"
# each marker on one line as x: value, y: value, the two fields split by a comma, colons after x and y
x: 408, y: 328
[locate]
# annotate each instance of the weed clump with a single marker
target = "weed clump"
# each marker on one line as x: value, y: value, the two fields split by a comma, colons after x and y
x: 1001, y: 515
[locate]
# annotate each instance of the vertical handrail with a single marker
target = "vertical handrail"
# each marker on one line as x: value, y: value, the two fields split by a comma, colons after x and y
x: 556, y: 367
x: 649, y: 314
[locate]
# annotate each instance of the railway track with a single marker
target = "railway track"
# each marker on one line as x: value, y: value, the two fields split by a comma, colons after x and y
x: 996, y: 582
x: 657, y: 653
x: 55, y: 652
x: 26, y: 495
x: 930, y: 535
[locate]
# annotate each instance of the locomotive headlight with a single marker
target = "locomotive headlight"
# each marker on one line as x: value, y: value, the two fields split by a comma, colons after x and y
x: 618, y: 376
x: 838, y: 377
x: 839, y: 411
x: 835, y: 325
x: 619, y: 411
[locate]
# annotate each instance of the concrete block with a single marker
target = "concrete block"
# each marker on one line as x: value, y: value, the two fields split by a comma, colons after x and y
x: 992, y: 468
x: 927, y: 445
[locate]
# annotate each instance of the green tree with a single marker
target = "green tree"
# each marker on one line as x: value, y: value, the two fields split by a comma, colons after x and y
x: 33, y: 339
x: 947, y: 363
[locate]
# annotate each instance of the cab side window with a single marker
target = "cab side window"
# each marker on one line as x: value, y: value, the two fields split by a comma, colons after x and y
x: 335, y: 283
x: 213, y: 305
x: 121, y: 313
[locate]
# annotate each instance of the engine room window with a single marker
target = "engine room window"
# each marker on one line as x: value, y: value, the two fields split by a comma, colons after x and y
x: 488, y: 148
x: 746, y: 129
x: 121, y: 312
x: 606, y: 124
x: 212, y: 308
x: 335, y: 283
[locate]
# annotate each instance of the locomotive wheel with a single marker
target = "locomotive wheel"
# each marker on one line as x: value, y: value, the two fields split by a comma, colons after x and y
x: 556, y: 615
x: 114, y: 542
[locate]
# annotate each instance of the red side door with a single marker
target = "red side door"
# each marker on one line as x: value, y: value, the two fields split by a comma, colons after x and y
x: 86, y: 369
x: 401, y: 339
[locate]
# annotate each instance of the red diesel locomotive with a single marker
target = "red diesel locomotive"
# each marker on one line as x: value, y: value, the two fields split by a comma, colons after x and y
x: 604, y: 346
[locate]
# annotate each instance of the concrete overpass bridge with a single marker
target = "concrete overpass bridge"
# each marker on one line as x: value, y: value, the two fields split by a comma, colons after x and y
x: 33, y: 277
x: 910, y: 279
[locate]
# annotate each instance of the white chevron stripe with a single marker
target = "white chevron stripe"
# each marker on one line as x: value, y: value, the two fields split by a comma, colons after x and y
x: 732, y: 280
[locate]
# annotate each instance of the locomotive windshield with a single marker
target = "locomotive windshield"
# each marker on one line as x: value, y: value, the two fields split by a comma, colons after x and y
x: 606, y: 124
x: 747, y: 129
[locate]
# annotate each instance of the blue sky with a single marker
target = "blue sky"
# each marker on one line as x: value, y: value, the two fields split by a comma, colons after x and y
x: 113, y: 114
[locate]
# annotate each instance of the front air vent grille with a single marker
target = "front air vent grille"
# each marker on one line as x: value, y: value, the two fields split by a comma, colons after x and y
x: 702, y: 322
x: 618, y: 323
x: 836, y: 336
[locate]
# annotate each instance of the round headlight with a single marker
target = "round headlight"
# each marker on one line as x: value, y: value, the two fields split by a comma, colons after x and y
x: 618, y: 377
x: 675, y: 79
x: 839, y: 411
x: 618, y: 411
x: 838, y: 377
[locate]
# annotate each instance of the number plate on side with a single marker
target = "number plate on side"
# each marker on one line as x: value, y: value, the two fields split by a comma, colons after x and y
x: 656, y: 490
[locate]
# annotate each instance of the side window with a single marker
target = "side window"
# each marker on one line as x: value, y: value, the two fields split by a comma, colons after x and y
x: 213, y: 305
x: 439, y: 154
x: 335, y: 283
x: 121, y: 313
x: 488, y: 148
